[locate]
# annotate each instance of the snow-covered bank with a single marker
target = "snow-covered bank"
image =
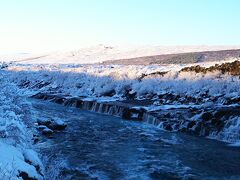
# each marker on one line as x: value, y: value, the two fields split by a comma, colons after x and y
x: 116, y: 81
x: 212, y: 91
x: 17, y: 159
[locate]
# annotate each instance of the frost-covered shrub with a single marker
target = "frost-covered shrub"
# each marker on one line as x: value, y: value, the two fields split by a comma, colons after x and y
x: 98, y: 80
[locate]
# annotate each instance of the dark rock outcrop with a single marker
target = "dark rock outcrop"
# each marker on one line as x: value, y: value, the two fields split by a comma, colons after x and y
x: 232, y: 68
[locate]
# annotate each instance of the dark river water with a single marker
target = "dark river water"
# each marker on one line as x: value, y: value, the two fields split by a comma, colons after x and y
x: 96, y: 146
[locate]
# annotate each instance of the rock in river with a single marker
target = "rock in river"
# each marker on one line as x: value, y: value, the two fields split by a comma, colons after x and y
x: 53, y: 124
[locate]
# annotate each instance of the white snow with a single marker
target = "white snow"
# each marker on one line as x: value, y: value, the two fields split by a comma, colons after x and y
x: 15, y: 139
x: 32, y: 157
x: 12, y: 162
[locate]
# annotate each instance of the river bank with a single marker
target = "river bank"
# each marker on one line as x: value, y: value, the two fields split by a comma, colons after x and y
x: 18, y: 157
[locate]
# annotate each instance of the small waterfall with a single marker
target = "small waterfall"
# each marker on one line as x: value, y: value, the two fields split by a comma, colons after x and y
x: 161, y: 125
x: 74, y: 102
x: 105, y: 108
x: 149, y: 118
x: 110, y: 111
x: 119, y: 111
x: 116, y: 108
x: 100, y: 109
x: 87, y: 105
x: 231, y: 131
x: 94, y: 107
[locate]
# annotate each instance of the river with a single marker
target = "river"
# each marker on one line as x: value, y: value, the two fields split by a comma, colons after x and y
x: 96, y: 146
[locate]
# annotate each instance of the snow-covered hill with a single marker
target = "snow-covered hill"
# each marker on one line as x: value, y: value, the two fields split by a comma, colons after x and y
x: 100, y: 53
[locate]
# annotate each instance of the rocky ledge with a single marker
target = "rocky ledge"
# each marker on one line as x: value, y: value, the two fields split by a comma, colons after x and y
x: 206, y: 119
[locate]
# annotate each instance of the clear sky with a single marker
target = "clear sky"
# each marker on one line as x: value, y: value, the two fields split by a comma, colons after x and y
x: 46, y: 25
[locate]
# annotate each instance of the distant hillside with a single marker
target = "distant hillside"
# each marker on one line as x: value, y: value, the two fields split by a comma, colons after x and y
x: 181, y: 58
x: 125, y: 54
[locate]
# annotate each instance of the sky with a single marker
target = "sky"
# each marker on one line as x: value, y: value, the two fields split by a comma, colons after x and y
x: 49, y: 25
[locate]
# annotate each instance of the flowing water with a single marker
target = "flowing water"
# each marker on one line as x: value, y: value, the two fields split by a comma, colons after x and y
x: 96, y: 146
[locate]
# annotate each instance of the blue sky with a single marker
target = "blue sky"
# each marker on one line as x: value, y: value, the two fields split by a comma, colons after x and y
x: 46, y: 25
